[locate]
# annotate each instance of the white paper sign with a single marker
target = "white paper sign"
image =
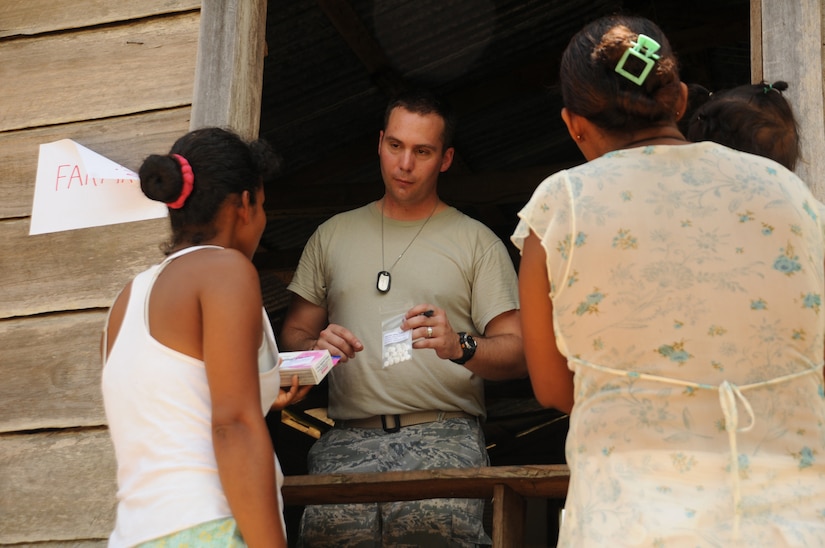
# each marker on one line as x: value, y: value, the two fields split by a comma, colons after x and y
x: 79, y: 188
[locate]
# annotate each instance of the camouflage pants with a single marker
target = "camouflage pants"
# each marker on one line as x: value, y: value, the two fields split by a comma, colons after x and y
x: 453, y: 443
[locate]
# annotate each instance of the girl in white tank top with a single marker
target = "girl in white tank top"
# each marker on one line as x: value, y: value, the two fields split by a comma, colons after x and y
x: 191, y: 362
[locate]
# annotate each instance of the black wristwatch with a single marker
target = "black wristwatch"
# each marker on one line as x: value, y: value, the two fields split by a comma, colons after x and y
x: 468, y: 345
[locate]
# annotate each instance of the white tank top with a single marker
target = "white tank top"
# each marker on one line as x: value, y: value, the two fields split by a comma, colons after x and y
x: 159, y: 411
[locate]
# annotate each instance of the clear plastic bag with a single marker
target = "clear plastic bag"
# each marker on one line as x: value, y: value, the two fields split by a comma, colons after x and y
x: 396, y: 344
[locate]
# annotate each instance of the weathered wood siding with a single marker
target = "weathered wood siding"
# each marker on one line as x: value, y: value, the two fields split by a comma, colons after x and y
x: 118, y: 78
x: 57, y: 486
x: 788, y: 44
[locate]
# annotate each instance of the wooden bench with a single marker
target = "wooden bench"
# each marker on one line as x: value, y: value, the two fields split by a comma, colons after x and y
x: 507, y: 486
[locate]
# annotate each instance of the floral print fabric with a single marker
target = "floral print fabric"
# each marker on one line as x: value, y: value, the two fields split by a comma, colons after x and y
x: 687, y: 285
x: 223, y: 533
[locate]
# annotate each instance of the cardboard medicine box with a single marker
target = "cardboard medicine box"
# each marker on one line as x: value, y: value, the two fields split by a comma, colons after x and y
x: 311, y: 366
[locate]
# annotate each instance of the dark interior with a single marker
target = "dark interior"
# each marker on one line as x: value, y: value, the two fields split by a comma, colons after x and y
x: 330, y: 70
x: 332, y: 66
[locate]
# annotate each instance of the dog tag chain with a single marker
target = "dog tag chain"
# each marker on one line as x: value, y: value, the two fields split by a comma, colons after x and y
x: 384, y: 280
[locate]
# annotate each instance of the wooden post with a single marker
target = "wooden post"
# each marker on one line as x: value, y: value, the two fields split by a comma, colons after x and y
x: 786, y: 44
x: 229, y: 73
x: 508, y: 517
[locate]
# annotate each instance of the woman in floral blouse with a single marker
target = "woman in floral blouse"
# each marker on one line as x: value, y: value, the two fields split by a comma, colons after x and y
x: 683, y: 285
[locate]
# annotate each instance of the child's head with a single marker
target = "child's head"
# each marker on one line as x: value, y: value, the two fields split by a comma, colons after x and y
x: 752, y: 118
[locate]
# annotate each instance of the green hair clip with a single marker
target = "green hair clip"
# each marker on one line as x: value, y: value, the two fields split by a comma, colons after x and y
x: 645, y: 50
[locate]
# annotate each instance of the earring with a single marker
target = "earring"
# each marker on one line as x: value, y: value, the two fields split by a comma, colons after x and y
x: 677, y: 113
x: 578, y: 137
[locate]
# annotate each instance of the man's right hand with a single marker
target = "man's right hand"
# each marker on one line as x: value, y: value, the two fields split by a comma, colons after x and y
x: 340, y: 341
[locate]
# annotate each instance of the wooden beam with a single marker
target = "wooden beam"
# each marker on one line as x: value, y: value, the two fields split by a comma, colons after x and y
x: 791, y: 50
x: 547, y: 481
x: 506, y: 485
x: 757, y: 70
x: 230, y: 67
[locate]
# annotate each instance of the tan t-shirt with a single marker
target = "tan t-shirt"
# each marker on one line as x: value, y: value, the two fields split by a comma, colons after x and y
x: 455, y: 263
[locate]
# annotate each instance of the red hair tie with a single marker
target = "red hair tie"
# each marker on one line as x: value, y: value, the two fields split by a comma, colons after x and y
x: 188, y: 182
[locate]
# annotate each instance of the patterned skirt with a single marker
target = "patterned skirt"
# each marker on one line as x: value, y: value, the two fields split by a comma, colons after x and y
x: 220, y: 532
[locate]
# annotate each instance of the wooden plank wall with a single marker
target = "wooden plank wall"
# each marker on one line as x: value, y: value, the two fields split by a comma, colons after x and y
x: 789, y: 44
x: 118, y: 78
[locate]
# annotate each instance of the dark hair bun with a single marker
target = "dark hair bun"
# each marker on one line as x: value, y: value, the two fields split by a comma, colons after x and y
x: 160, y: 178
x: 591, y: 86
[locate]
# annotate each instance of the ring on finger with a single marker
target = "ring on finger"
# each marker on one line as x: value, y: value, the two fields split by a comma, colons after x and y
x: 429, y: 332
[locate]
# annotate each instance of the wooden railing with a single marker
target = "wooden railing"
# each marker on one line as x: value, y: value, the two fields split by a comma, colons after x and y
x: 507, y: 486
